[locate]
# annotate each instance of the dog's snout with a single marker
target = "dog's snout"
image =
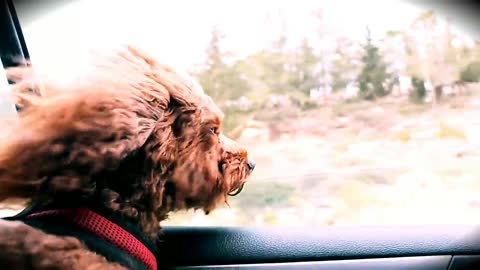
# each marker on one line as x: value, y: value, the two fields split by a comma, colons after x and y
x: 251, y: 165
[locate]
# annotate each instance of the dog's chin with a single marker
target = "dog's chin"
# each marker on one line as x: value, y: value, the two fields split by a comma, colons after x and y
x: 238, y: 180
x: 217, y: 194
x: 218, y: 198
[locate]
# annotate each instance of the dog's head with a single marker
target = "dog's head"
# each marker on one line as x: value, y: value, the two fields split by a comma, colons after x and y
x: 199, y: 166
x: 205, y: 165
x: 134, y: 133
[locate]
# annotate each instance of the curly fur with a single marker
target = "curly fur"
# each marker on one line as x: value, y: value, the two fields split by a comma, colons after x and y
x: 24, y: 247
x: 134, y: 137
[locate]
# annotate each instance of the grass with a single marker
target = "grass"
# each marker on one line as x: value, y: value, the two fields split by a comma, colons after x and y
x: 403, y: 135
x: 270, y: 218
x: 446, y: 131
x: 262, y: 194
x: 340, y: 148
x: 345, y: 109
x: 409, y: 109
x: 373, y: 178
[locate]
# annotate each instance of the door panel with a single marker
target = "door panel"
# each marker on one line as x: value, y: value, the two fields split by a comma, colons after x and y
x: 188, y: 246
x: 418, y: 263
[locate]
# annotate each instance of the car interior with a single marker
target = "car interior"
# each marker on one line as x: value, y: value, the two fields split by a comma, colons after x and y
x: 422, y: 247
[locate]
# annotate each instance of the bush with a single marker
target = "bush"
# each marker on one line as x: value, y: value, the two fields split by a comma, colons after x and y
x: 235, y: 120
x: 471, y: 73
x: 419, y: 92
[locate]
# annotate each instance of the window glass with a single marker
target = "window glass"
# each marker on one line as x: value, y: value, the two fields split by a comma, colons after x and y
x: 356, y: 112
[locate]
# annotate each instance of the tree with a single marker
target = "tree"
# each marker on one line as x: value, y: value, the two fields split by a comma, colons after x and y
x: 325, y: 36
x: 430, y: 53
x: 305, y: 77
x: 220, y: 80
x: 471, y: 73
x: 270, y: 70
x: 419, y: 92
x: 345, y: 64
x: 214, y: 54
x: 373, y: 75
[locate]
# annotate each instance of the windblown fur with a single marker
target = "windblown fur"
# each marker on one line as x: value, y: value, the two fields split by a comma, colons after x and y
x: 134, y: 137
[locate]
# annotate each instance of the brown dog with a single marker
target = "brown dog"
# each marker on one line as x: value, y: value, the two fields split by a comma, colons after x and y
x: 118, y: 152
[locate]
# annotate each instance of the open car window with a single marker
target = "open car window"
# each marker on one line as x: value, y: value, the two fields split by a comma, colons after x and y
x: 353, y: 115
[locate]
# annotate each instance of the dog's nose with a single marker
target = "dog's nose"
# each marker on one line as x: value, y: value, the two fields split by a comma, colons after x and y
x: 251, y: 165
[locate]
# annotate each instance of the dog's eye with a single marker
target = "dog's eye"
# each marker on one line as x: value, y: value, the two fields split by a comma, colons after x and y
x: 214, y: 130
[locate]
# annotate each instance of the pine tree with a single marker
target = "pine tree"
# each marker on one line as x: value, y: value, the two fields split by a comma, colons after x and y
x: 374, y: 73
x: 214, y: 53
x: 419, y: 92
x: 220, y: 80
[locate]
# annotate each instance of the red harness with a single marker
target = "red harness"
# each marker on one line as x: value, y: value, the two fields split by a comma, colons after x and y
x: 94, y: 223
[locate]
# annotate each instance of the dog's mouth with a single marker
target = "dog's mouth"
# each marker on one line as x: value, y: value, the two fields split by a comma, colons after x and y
x: 236, y: 191
x: 237, y: 188
x: 239, y: 175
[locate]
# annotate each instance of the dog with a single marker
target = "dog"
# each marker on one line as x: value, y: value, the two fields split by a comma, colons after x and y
x: 103, y: 161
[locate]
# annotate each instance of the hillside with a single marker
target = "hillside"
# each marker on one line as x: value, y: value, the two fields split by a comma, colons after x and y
x: 361, y: 163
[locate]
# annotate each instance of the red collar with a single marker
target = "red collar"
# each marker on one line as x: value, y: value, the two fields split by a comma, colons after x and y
x: 94, y: 223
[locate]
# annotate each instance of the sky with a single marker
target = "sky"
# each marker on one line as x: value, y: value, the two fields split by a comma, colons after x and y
x: 61, y: 39
x: 177, y: 32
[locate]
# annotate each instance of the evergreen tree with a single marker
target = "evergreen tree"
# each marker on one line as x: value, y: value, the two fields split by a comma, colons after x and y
x: 220, y: 80
x: 419, y: 91
x: 373, y: 75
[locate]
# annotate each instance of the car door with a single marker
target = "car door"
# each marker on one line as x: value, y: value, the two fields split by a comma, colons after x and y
x: 451, y: 247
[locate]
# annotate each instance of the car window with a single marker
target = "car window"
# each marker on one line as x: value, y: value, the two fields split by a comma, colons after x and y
x: 355, y: 112
x: 6, y: 100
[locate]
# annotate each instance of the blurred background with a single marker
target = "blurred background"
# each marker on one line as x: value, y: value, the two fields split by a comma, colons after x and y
x: 356, y: 112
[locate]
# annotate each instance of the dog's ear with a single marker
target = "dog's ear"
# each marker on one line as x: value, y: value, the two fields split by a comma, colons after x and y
x: 27, y: 87
x: 65, y: 136
x: 23, y: 86
x: 58, y: 144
